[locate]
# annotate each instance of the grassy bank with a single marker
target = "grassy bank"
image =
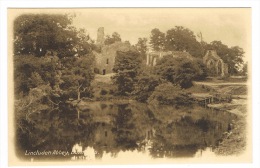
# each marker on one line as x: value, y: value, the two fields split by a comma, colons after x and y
x: 234, y: 141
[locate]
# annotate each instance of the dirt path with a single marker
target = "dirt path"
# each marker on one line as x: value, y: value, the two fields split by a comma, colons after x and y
x: 104, y: 78
x: 221, y: 84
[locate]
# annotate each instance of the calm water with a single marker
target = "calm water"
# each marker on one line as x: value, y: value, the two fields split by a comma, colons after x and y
x: 104, y: 130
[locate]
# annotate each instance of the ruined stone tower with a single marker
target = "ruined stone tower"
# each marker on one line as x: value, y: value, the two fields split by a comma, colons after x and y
x: 100, y: 36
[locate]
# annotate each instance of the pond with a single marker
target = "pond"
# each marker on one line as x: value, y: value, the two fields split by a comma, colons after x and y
x: 106, y: 130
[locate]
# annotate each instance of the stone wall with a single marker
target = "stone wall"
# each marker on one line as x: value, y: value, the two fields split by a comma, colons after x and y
x: 153, y: 57
x: 215, y: 65
x: 105, y: 60
x: 100, y: 36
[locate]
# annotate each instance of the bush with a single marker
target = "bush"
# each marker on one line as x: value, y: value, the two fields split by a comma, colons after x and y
x: 201, y: 70
x: 145, y: 86
x: 180, y: 71
x: 103, y: 92
x: 169, y: 94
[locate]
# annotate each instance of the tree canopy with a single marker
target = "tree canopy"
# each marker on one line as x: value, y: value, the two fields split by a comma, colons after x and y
x: 180, y: 71
x: 127, y: 66
x: 110, y: 40
x: 77, y: 76
x: 157, y: 40
x: 141, y: 47
x: 38, y: 33
x: 183, y: 39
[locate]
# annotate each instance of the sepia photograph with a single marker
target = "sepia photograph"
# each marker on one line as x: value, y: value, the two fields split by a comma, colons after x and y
x: 129, y: 85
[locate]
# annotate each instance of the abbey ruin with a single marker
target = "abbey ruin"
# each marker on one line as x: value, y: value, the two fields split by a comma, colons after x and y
x: 105, y: 59
x: 215, y: 65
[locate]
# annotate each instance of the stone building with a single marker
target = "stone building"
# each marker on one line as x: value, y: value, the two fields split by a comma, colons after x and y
x: 100, y: 36
x: 215, y: 65
x: 105, y: 59
x: 153, y: 57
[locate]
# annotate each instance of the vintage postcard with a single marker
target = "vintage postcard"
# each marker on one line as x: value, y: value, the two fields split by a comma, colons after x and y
x: 129, y: 86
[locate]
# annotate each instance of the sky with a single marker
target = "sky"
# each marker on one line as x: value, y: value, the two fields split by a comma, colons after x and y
x: 232, y: 26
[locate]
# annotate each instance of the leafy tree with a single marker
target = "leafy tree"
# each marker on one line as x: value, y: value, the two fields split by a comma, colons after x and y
x: 235, y: 59
x: 145, y: 85
x: 129, y: 60
x: 179, y: 71
x: 110, y: 40
x: 116, y: 36
x: 127, y: 66
x: 186, y: 72
x: 141, y: 47
x: 245, y: 69
x: 201, y: 69
x: 38, y: 33
x: 157, y: 40
x: 30, y: 72
x: 77, y: 74
x: 183, y: 39
x: 83, y: 44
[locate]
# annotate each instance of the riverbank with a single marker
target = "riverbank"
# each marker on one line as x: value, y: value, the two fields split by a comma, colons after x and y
x: 234, y: 140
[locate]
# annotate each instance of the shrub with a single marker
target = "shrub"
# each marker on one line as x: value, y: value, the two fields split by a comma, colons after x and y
x: 145, y: 86
x: 180, y: 71
x: 103, y: 92
x: 169, y: 94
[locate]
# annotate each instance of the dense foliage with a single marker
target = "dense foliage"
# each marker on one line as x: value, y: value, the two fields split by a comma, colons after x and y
x: 169, y: 94
x: 233, y: 56
x: 31, y: 72
x: 183, y: 39
x: 77, y: 74
x: 110, y: 40
x: 127, y: 66
x: 37, y: 34
x: 157, y: 40
x: 145, y: 85
x: 179, y: 70
x: 142, y: 47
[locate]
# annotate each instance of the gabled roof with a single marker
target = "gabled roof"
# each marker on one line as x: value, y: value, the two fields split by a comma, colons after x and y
x: 211, y: 54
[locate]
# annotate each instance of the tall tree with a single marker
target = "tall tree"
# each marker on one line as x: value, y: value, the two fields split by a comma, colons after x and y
x: 77, y: 74
x: 141, y: 47
x: 157, y: 40
x: 127, y: 66
x: 116, y: 36
x: 183, y: 39
x: 37, y: 33
x: 110, y: 40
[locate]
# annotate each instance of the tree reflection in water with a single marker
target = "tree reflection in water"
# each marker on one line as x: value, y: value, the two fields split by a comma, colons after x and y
x: 106, y: 128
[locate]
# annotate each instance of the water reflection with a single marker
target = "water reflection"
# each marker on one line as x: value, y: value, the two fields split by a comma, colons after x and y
x: 103, y: 130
